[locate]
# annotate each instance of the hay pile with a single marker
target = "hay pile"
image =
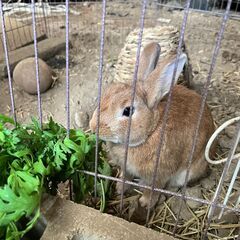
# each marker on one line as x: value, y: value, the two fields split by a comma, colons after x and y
x: 193, y: 217
x: 166, y: 36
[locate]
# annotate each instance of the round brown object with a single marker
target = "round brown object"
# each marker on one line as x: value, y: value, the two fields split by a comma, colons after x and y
x: 24, y: 75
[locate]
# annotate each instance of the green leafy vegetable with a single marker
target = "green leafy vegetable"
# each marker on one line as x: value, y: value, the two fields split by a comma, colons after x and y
x: 33, y: 159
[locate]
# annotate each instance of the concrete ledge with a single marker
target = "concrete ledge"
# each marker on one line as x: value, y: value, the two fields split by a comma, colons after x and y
x: 70, y: 221
x: 46, y: 49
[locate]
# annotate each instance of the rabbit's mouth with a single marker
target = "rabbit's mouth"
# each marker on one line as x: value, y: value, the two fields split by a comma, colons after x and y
x: 116, y: 140
x: 135, y: 144
x: 110, y: 139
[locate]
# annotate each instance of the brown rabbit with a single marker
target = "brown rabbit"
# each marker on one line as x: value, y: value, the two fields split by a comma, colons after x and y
x: 153, y: 85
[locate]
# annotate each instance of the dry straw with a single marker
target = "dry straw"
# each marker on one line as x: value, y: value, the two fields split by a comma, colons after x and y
x: 166, y: 36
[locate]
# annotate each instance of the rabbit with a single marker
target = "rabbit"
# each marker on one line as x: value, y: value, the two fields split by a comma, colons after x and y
x: 153, y: 85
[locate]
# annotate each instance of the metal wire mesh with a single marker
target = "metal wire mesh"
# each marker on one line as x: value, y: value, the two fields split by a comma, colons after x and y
x: 213, y: 203
x: 18, y: 24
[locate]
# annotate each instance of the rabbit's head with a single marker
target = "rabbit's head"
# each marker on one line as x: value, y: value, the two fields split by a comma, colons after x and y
x: 154, y: 82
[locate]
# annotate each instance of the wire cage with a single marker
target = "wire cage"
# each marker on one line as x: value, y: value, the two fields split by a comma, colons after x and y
x: 18, y: 25
x: 103, y: 39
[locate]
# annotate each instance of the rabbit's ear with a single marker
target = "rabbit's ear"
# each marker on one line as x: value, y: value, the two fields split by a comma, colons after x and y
x: 148, y: 60
x: 158, y: 84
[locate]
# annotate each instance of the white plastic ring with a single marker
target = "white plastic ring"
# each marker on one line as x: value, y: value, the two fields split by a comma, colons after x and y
x: 215, y: 134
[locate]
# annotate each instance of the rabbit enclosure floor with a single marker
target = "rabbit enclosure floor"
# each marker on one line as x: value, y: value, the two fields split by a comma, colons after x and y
x: 223, y: 97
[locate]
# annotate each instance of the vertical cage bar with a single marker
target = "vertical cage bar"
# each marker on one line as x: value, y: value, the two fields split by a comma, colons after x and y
x: 230, y: 187
x: 17, y: 29
x: 222, y: 4
x: 7, y: 63
x: 166, y: 110
x: 204, y: 97
x: 45, y: 18
x: 56, y: 22
x: 214, y: 5
x: 67, y: 83
x: 134, y: 82
x: 36, y: 62
x: 48, y: 18
x: 40, y: 18
x: 6, y: 36
x: 238, y: 238
x: 237, y: 4
x: 67, y: 69
x: 12, y: 30
x: 100, y: 77
x: 224, y: 173
x: 26, y: 33
x: 238, y: 200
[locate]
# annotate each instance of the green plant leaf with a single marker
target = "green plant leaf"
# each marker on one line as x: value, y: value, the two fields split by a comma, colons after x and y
x: 4, y: 119
x: 31, y: 158
x: 40, y: 168
x: 15, y: 204
x: 2, y: 137
x: 71, y: 145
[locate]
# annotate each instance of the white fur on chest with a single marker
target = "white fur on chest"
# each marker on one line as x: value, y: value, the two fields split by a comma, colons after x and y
x: 132, y: 169
x: 179, y: 178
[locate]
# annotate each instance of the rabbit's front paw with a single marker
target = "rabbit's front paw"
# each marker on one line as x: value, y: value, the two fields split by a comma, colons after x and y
x: 144, y: 200
x: 119, y: 187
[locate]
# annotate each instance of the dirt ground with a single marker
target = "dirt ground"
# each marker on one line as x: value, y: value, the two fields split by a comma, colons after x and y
x: 200, y: 37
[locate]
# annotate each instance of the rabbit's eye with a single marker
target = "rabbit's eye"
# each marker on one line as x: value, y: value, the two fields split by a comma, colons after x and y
x: 126, y: 111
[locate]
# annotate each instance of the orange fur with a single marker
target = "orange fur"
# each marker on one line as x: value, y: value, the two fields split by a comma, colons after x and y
x: 146, y: 128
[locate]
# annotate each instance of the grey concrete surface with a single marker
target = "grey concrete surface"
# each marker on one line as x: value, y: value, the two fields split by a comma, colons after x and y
x: 70, y: 221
